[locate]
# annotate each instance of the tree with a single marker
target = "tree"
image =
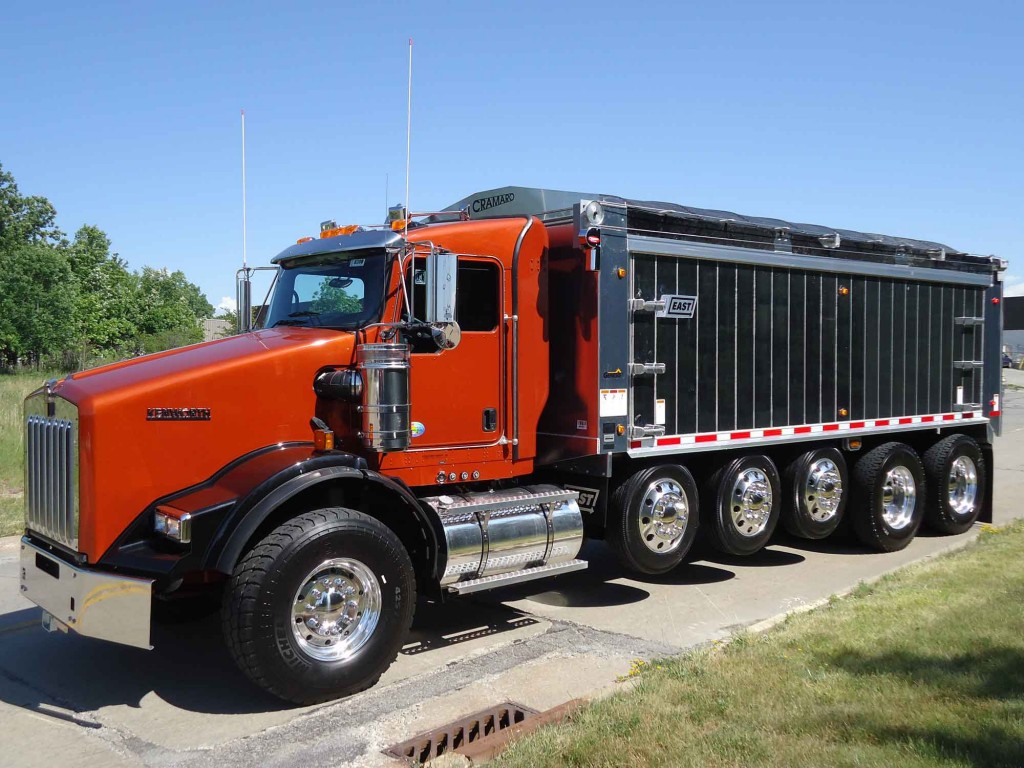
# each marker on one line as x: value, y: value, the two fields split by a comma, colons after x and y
x: 25, y: 219
x: 171, y: 307
x: 38, y: 294
x: 107, y: 308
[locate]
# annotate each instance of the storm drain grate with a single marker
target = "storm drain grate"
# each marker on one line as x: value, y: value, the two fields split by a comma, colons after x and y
x: 460, y: 733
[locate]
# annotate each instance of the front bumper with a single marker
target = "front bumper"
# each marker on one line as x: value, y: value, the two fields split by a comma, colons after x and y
x: 101, y: 605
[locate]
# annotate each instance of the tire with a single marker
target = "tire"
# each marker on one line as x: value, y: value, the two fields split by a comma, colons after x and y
x: 817, y: 486
x: 747, y: 495
x: 955, y: 470
x: 666, y: 498
x: 888, y: 497
x: 363, y: 573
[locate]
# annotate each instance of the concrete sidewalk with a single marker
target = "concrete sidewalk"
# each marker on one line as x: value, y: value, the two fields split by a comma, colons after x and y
x: 539, y: 644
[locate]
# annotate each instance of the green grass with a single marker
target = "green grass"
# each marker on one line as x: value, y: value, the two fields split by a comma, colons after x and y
x: 13, y: 389
x: 925, y: 668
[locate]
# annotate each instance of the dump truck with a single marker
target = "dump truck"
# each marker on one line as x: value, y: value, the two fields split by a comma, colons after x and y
x: 453, y: 401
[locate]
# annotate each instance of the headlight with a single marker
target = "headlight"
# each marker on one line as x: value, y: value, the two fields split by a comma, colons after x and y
x: 176, y: 527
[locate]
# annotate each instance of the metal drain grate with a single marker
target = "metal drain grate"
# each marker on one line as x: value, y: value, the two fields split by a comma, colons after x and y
x: 460, y: 733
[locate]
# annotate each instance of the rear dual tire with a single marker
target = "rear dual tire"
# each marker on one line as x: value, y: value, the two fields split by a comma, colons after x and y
x: 654, y: 518
x: 747, y: 494
x: 888, y: 496
x: 955, y: 470
x: 817, y: 486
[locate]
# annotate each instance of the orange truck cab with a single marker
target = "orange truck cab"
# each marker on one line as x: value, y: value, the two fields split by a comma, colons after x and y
x: 448, y: 406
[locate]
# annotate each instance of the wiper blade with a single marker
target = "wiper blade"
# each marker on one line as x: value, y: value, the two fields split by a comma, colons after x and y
x: 304, y: 313
x: 290, y: 322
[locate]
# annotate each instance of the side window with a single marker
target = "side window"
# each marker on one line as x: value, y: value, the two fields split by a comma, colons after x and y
x: 478, y: 304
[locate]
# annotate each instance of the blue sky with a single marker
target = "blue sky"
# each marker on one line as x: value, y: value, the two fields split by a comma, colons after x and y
x: 905, y: 118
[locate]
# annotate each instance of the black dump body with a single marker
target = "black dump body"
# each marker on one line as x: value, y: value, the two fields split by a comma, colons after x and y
x: 784, y: 326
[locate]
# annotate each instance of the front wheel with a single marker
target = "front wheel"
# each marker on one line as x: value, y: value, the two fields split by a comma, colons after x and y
x: 320, y: 607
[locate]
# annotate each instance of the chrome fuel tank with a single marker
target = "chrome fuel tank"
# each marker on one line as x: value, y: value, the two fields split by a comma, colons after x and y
x: 508, y: 530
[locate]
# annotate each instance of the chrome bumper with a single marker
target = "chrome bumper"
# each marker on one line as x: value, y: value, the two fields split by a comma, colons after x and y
x: 101, y: 605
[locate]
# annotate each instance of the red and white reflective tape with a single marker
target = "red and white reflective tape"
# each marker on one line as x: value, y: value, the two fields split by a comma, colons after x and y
x: 833, y: 428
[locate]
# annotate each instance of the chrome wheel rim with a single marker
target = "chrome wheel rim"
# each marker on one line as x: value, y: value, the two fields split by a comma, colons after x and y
x: 336, y: 609
x: 664, y: 515
x: 822, y: 491
x: 751, y: 501
x: 899, y: 497
x: 963, y: 486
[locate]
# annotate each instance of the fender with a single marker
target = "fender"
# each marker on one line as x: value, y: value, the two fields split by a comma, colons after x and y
x: 250, y: 512
x: 230, y: 506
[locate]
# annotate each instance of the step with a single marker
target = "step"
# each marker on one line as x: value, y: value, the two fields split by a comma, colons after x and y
x: 515, y: 577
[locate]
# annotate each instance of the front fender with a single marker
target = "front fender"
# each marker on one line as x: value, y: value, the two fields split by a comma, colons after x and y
x: 228, y: 509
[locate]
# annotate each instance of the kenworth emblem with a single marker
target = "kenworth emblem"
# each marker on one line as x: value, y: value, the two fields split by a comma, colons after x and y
x: 680, y: 307
x: 177, y: 414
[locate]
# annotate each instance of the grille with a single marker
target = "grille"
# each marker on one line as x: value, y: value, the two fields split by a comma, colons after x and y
x: 454, y: 736
x: 51, y: 478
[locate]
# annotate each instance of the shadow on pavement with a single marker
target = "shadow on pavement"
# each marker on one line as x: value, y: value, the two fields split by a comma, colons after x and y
x: 189, y: 668
x: 597, y: 586
x: 440, y: 625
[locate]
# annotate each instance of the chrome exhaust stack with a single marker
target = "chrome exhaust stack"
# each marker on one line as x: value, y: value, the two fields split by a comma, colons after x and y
x: 384, y: 369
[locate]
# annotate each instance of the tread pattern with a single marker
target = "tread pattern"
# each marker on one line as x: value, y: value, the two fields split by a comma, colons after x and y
x: 241, y: 619
x: 867, y: 521
x: 937, y: 460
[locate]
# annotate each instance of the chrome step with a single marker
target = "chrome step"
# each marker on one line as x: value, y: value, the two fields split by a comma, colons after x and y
x: 515, y: 577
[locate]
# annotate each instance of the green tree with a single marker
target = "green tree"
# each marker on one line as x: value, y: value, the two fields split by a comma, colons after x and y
x: 172, y: 308
x: 107, y: 308
x: 25, y: 219
x: 38, y: 294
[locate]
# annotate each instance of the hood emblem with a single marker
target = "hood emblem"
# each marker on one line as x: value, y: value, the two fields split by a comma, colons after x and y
x: 177, y: 414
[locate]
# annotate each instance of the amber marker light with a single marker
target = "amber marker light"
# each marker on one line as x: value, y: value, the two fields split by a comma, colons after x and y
x: 620, y: 272
x: 323, y: 440
x: 302, y: 240
x: 844, y: 291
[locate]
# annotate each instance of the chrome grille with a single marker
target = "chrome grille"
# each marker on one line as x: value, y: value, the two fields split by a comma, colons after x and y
x: 51, y: 471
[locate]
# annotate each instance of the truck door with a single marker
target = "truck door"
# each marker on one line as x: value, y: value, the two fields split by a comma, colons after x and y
x: 457, y: 395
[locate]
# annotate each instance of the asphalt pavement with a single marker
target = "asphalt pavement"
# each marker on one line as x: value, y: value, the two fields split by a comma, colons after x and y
x: 72, y: 699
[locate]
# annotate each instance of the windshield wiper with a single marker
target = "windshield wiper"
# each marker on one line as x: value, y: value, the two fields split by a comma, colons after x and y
x: 303, y: 313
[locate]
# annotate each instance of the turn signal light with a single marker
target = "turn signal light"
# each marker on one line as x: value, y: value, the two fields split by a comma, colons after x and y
x: 323, y: 440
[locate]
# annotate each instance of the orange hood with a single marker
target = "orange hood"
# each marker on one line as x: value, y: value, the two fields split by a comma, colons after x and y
x: 257, y: 387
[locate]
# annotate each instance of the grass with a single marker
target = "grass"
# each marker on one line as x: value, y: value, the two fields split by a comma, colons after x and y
x: 13, y: 389
x: 924, y: 668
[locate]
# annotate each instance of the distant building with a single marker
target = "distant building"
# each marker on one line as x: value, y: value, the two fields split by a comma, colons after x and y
x: 217, y: 329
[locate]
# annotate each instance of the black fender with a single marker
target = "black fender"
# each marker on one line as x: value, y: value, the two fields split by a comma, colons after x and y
x: 250, y: 513
x: 230, y: 507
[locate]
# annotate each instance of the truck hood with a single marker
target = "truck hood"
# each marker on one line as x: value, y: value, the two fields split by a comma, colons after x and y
x: 159, y: 424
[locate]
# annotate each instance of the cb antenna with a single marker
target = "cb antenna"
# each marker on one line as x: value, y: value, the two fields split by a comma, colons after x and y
x: 245, y: 262
x: 408, y: 141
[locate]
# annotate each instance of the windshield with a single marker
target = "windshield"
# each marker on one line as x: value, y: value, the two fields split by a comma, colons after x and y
x: 343, y: 291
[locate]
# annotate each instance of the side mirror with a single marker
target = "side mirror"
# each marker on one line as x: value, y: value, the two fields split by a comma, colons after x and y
x: 446, y: 335
x: 442, y: 284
